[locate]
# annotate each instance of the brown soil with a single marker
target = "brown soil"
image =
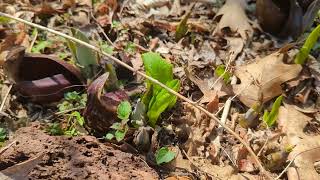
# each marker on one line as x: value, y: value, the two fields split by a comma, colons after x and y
x: 73, y: 158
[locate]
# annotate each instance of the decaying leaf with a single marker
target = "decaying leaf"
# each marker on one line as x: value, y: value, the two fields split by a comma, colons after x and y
x: 234, y: 17
x: 209, y: 94
x: 293, y: 124
x: 101, y: 110
x: 20, y: 171
x: 263, y: 78
x: 41, y: 78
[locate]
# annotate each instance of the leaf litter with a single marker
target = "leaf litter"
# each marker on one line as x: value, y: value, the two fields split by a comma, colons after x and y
x: 196, y: 39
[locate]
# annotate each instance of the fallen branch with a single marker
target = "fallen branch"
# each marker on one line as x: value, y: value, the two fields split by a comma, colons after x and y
x: 261, y: 168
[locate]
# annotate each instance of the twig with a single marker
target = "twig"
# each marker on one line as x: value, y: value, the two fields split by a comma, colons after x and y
x: 68, y: 110
x: 224, y: 116
x: 102, y: 31
x: 171, y: 91
x: 33, y: 41
x: 5, y: 98
x: 294, y: 158
x: 193, y: 163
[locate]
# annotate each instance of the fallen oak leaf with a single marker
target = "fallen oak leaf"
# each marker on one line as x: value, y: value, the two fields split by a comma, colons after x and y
x: 21, y: 170
x: 306, y: 151
x: 264, y: 77
x: 233, y: 16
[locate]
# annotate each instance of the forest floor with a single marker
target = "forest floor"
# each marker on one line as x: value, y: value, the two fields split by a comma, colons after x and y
x: 246, y: 110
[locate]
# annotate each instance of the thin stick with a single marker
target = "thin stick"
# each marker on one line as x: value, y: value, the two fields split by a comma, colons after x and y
x: 33, y: 41
x: 261, y: 168
x: 5, y: 98
x: 294, y: 158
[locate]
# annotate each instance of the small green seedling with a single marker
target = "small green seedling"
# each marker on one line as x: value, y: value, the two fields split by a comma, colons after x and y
x: 182, y: 27
x: 73, y: 100
x: 270, y: 117
x: 75, y: 119
x: 3, y: 135
x: 164, y: 155
x: 119, y: 129
x: 157, y: 99
x: 221, y: 72
x: 307, y: 46
x: 130, y: 48
x: 55, y: 130
x: 106, y: 48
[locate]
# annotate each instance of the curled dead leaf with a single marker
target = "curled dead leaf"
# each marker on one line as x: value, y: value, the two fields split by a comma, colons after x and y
x: 234, y: 17
x: 41, y: 78
x: 262, y: 79
x: 101, y: 109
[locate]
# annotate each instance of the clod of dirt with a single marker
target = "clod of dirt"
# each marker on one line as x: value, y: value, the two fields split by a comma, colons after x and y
x: 73, y: 158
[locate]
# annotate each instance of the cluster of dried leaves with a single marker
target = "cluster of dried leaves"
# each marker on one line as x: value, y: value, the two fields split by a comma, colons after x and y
x: 197, y: 38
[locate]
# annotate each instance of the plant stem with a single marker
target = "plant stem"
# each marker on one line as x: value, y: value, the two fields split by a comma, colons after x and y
x: 261, y: 168
x: 307, y: 46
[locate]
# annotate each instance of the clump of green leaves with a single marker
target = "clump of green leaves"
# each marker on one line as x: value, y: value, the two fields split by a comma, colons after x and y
x: 55, y: 129
x: 307, y: 46
x: 119, y: 129
x: 157, y: 99
x: 74, y: 122
x: 164, y: 155
x: 41, y: 44
x: 72, y: 100
x: 270, y: 117
x: 130, y: 48
x: 75, y: 119
x: 221, y: 72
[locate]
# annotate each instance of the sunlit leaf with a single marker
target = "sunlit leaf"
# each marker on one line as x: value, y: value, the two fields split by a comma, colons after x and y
x: 164, y: 155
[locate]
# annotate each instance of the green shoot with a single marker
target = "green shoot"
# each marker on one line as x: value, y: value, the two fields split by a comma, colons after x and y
x: 307, y: 46
x: 270, y: 117
x: 182, y: 27
x: 119, y: 129
x: 157, y: 99
x: 221, y: 72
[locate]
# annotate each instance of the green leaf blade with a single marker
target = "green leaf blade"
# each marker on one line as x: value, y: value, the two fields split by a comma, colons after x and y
x: 124, y: 110
x: 164, y: 155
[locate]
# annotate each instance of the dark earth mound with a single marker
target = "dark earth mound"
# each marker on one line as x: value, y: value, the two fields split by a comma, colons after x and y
x: 73, y: 158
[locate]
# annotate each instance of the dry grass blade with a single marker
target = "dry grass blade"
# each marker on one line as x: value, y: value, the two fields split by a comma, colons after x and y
x: 261, y: 168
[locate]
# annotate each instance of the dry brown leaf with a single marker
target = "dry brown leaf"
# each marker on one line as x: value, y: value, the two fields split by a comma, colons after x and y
x: 293, y: 124
x: 235, y: 46
x: 20, y: 171
x: 234, y: 17
x: 210, y: 87
x: 263, y: 78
